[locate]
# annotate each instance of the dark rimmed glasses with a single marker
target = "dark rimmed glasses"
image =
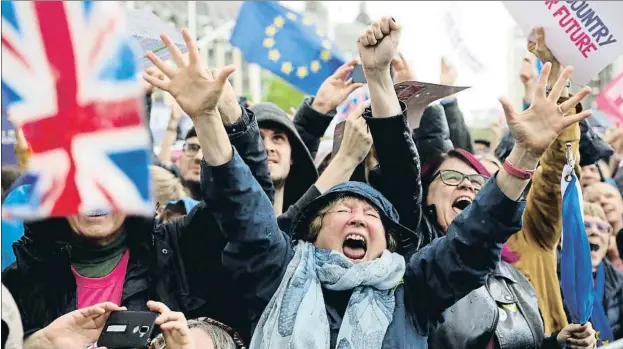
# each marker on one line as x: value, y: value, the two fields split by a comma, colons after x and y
x: 454, y: 178
x: 191, y: 149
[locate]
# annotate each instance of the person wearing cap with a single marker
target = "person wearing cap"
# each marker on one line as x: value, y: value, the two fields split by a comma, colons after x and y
x: 343, y: 283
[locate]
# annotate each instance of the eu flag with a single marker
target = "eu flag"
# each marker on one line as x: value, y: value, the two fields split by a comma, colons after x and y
x: 286, y: 43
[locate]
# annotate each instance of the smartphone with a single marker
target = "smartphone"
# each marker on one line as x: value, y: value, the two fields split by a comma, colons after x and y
x: 128, y: 330
x: 358, y: 76
x: 338, y: 134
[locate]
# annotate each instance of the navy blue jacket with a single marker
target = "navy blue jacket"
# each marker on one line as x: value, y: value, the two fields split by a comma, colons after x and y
x: 258, y: 252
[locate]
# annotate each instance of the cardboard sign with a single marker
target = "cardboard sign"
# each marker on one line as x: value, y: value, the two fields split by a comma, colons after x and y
x: 610, y: 100
x: 145, y: 28
x: 424, y: 93
x: 586, y: 35
x: 415, y: 93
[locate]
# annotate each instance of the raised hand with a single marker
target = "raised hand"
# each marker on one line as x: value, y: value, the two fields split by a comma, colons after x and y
x: 357, y: 139
x: 335, y: 89
x: 378, y: 44
x: 539, y: 48
x: 195, y: 88
x: 151, y: 71
x: 79, y: 328
x: 536, y: 128
x: 402, y: 69
x: 228, y: 105
x: 173, y: 326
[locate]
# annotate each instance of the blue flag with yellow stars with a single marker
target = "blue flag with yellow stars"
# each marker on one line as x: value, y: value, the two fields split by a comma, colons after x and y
x: 286, y: 43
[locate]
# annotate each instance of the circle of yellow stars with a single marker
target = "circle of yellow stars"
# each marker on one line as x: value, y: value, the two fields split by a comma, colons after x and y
x: 287, y: 67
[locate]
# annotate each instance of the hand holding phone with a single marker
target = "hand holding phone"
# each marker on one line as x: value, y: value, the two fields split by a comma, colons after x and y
x: 174, y: 327
x: 128, y: 329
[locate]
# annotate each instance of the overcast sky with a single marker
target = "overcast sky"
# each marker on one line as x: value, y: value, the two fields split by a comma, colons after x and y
x: 485, y: 26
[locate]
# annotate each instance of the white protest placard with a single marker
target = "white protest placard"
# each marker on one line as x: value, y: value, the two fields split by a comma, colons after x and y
x: 585, y: 34
x: 145, y: 28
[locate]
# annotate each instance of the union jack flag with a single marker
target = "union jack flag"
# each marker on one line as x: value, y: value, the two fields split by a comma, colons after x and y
x: 70, y: 78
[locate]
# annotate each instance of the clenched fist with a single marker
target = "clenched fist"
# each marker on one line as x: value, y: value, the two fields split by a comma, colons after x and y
x: 378, y: 45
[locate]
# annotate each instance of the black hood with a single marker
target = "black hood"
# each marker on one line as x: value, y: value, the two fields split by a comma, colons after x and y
x: 303, y: 173
x: 592, y: 147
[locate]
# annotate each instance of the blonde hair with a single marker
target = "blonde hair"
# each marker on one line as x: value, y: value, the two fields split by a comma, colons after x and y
x: 316, y: 223
x: 166, y: 186
x: 593, y: 192
x: 594, y: 210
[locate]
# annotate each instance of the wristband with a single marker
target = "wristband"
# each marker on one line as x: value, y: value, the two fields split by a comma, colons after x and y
x: 516, y: 171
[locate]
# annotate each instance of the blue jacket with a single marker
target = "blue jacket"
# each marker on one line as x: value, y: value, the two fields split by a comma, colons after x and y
x: 13, y: 229
x: 258, y: 252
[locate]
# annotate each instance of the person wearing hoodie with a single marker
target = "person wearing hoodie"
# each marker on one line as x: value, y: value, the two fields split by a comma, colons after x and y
x: 332, y: 295
x: 290, y: 164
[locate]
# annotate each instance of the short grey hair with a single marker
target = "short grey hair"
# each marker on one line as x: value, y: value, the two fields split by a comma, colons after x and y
x: 220, y: 338
x: 223, y: 336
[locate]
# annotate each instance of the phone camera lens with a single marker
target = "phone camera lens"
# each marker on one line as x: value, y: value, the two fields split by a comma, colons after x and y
x: 144, y: 329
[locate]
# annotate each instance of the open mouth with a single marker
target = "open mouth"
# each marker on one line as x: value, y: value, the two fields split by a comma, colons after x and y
x: 594, y: 247
x: 461, y: 203
x: 98, y: 213
x: 355, y: 247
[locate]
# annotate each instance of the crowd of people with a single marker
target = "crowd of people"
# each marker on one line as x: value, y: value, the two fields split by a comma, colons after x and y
x: 410, y: 235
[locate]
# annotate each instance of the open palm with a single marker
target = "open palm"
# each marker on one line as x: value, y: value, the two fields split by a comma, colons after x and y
x: 79, y: 328
x: 195, y: 89
x: 536, y: 128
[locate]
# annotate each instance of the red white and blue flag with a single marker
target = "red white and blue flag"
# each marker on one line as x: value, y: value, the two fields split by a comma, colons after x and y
x: 70, y: 80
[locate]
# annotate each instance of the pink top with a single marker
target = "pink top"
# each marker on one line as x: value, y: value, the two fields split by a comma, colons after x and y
x: 91, y: 291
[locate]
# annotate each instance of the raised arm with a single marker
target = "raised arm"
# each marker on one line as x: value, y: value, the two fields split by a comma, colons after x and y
x: 256, y: 251
x: 315, y: 113
x: 355, y: 146
x: 398, y: 174
x: 452, y: 266
x: 542, y: 228
x: 459, y: 132
x: 244, y: 134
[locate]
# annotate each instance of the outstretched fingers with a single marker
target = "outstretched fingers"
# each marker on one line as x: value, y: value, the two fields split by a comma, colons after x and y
x: 509, y: 111
x: 175, y: 52
x: 575, y: 99
x: 164, y: 68
x: 155, y: 81
x: 193, y: 50
x: 560, y: 84
x: 542, y: 83
x: 223, y: 74
x: 572, y: 119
